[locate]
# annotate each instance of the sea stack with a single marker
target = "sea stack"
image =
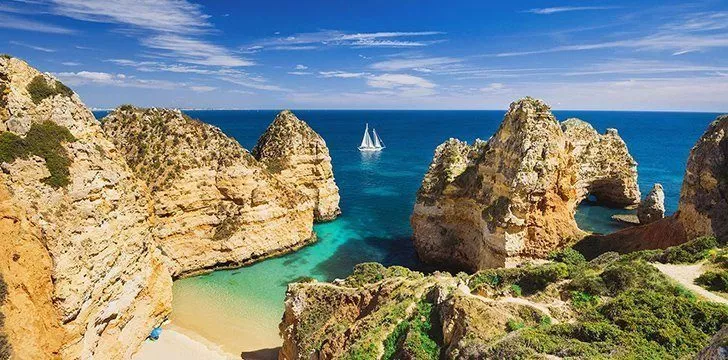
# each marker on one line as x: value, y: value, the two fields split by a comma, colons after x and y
x: 514, y: 198
x: 215, y: 206
x: 83, y: 275
x: 296, y: 154
x: 605, y: 166
x: 652, y: 208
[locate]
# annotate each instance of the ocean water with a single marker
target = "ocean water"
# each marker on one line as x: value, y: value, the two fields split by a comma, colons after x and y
x: 241, y: 308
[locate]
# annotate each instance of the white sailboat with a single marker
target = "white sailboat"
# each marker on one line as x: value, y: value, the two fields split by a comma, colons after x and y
x: 367, y: 144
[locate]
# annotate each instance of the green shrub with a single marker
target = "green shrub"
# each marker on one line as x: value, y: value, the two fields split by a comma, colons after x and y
x: 513, y: 325
x: 582, y: 299
x: 415, y: 338
x: 568, y: 256
x: 689, y: 252
x: 516, y: 290
x: 716, y: 280
x: 39, y: 89
x: 6, y: 56
x: 44, y: 140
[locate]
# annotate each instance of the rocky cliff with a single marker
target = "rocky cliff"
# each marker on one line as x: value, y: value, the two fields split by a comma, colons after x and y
x: 613, y: 306
x: 298, y: 155
x: 83, y: 275
x: 652, y: 208
x: 605, y: 167
x: 703, y: 206
x: 215, y: 206
x: 514, y: 196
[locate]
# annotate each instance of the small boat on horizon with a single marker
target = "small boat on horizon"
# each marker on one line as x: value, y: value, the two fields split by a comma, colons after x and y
x: 371, y: 143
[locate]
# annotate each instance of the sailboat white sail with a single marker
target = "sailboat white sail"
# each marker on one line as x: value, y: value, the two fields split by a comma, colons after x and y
x: 367, y: 144
x: 378, y: 143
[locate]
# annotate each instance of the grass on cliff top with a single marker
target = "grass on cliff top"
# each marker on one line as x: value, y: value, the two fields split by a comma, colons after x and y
x: 39, y: 89
x: 44, y: 140
x: 626, y: 309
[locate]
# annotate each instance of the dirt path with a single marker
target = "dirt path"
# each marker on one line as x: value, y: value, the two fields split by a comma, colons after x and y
x: 686, y: 275
x: 519, y: 301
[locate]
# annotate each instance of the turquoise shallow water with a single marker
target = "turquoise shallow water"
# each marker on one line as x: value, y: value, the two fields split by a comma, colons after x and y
x: 241, y: 308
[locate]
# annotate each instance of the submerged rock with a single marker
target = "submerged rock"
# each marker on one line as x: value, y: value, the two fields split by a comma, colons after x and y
x: 84, y: 278
x: 215, y: 206
x: 514, y: 197
x: 295, y: 153
x: 652, y: 208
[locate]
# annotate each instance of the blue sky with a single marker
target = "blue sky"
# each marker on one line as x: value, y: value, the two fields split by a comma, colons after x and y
x: 612, y: 55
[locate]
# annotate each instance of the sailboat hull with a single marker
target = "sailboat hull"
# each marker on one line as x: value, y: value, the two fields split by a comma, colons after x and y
x: 369, y: 149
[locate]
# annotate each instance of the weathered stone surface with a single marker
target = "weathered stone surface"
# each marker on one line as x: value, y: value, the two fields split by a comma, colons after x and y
x: 703, y: 207
x: 85, y: 279
x: 215, y: 206
x: 294, y: 152
x: 652, y: 208
x: 605, y: 167
x: 718, y: 347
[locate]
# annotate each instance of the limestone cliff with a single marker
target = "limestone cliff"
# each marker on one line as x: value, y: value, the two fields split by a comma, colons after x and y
x: 84, y: 277
x: 605, y: 166
x: 215, y: 206
x: 514, y: 197
x: 703, y: 206
x: 652, y: 208
x: 298, y: 155
x: 611, y: 307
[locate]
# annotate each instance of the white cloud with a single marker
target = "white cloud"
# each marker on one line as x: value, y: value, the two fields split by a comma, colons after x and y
x: 70, y: 63
x: 419, y: 64
x: 34, y: 47
x: 688, y: 34
x: 109, y: 79
x: 493, y: 87
x: 300, y: 73
x: 17, y: 23
x: 560, y: 9
x: 172, y: 16
x: 341, y: 74
x: 193, y: 51
x: 324, y: 38
x: 391, y: 81
x: 301, y: 67
x: 202, y: 88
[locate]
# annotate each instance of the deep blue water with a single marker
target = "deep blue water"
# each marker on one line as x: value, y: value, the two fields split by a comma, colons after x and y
x: 377, y: 196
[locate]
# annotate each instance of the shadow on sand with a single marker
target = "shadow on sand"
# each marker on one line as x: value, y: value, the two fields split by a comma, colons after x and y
x: 262, y: 354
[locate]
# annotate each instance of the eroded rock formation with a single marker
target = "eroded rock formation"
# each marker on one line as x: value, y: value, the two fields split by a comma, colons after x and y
x: 514, y: 197
x: 652, y: 208
x: 703, y: 206
x: 84, y: 277
x: 298, y: 155
x: 605, y: 167
x: 215, y: 206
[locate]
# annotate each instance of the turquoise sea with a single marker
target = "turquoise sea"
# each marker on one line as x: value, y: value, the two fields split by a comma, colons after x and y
x: 241, y: 308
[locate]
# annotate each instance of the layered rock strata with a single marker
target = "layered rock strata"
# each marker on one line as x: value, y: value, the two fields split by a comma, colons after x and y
x: 215, y: 206
x: 514, y: 197
x: 294, y: 152
x: 83, y: 275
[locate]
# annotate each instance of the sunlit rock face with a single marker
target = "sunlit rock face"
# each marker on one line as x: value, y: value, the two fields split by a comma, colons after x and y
x: 215, y: 205
x: 296, y: 154
x: 84, y: 277
x: 514, y: 197
x: 652, y: 208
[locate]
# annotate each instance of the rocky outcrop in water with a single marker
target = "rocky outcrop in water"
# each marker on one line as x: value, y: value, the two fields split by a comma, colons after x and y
x: 605, y: 166
x: 290, y: 149
x: 514, y: 197
x: 84, y: 278
x: 215, y: 206
x: 652, y: 208
x: 703, y: 206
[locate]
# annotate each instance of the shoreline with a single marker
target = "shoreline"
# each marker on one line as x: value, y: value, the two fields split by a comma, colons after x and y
x: 179, y: 343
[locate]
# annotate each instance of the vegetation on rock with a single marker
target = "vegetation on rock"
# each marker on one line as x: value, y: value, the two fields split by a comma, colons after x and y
x: 39, y: 89
x: 44, y: 140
